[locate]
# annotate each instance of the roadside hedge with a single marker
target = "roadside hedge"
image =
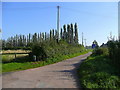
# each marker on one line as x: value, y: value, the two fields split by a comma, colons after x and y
x: 44, y: 51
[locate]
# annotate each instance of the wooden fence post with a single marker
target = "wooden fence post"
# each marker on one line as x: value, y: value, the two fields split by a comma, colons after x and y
x: 15, y: 56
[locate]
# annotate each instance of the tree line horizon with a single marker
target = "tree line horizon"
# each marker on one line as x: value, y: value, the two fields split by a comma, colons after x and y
x: 68, y: 33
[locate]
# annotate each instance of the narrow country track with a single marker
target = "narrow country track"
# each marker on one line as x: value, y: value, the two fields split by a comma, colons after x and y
x: 58, y: 75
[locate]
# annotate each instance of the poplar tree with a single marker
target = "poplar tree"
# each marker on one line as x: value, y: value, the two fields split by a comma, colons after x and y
x: 56, y: 35
x: 24, y: 40
x: 68, y: 33
x: 64, y: 33
x: 35, y: 38
x: 72, y: 33
x: 61, y: 34
x: 29, y: 40
x: 20, y: 41
x: 40, y: 37
x: 17, y: 40
x: 45, y: 36
x: 53, y: 34
x: 76, y: 33
x: 50, y: 34
x: 14, y: 42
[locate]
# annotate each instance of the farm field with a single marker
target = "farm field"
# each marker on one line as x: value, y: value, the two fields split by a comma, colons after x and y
x: 15, y: 51
x: 13, y: 55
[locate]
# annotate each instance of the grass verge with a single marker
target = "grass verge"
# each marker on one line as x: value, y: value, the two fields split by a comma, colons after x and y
x: 97, y: 72
x: 17, y: 66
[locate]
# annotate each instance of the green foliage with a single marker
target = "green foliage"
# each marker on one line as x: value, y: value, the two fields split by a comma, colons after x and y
x: 96, y: 72
x: 101, y: 51
x: 101, y: 80
x: 76, y: 33
x: 69, y: 34
x: 114, y: 53
x: 47, y: 52
x: 47, y: 47
x: 52, y: 49
x: 39, y: 51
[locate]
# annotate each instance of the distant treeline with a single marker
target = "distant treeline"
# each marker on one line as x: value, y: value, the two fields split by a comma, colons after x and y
x: 68, y: 33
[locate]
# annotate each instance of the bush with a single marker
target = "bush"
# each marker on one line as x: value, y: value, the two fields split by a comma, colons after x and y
x: 52, y: 49
x: 96, y: 72
x: 101, y: 51
x: 114, y: 53
x: 101, y: 80
x: 39, y: 51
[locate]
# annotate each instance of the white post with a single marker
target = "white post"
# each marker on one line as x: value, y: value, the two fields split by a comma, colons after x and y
x: 58, y: 21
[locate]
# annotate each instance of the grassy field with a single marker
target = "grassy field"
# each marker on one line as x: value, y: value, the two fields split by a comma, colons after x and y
x: 11, y: 57
x: 97, y: 72
x: 15, y: 51
x: 26, y: 64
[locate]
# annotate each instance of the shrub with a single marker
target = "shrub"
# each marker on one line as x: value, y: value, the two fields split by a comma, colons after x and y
x: 52, y: 49
x: 101, y: 51
x: 96, y: 72
x: 101, y: 80
x: 39, y: 51
x: 114, y: 53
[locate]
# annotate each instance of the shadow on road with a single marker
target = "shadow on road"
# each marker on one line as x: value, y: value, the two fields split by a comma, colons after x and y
x: 71, y: 73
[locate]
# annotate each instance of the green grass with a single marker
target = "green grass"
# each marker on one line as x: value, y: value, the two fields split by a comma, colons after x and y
x: 17, y: 66
x: 97, y: 72
x: 11, y: 57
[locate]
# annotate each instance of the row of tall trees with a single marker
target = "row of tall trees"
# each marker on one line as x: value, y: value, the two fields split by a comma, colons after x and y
x: 68, y: 33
